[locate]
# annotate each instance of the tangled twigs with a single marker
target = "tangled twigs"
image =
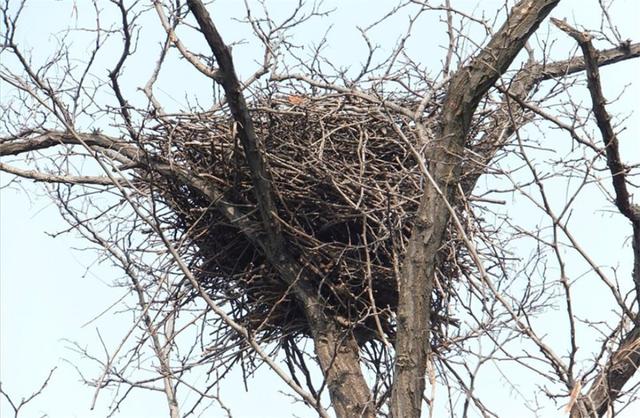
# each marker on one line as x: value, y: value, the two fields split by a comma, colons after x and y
x: 345, y: 185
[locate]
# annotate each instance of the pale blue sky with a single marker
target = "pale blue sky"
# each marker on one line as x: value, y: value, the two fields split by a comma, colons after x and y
x: 48, y: 290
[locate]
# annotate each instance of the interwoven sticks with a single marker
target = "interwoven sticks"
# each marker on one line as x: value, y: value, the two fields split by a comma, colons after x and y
x: 345, y: 185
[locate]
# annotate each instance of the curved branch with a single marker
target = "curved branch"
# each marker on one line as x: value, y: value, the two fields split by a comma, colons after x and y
x: 577, y: 64
x: 188, y: 55
x: 26, y: 142
x: 56, y: 178
x: 519, y: 87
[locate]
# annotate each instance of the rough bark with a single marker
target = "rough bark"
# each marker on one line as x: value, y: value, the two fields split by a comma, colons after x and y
x: 336, y: 348
x: 466, y: 89
x: 620, y: 367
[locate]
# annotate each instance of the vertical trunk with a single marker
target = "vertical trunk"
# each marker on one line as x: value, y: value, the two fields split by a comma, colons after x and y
x: 415, y: 286
x: 338, y: 355
x: 468, y: 86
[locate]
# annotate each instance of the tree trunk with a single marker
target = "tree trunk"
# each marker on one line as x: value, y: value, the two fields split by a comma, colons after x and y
x: 466, y: 89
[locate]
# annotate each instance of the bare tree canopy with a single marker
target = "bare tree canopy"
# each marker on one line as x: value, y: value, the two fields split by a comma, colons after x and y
x: 388, y: 238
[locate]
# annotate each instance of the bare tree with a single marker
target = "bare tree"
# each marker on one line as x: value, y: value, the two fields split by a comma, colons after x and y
x: 18, y: 407
x: 361, y: 209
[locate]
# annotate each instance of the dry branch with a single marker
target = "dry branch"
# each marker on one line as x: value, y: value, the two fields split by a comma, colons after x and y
x: 625, y: 359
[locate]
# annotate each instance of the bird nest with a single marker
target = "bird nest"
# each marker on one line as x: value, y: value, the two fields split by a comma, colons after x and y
x: 346, y: 186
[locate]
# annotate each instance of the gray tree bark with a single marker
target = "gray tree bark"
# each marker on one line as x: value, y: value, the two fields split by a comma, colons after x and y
x: 466, y: 89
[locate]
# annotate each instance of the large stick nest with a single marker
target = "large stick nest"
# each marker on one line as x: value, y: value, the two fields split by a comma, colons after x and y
x: 346, y: 185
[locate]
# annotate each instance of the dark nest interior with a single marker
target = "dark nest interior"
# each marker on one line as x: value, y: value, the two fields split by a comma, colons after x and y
x: 346, y: 185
